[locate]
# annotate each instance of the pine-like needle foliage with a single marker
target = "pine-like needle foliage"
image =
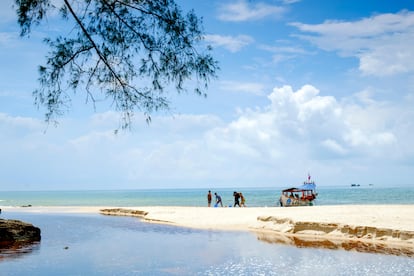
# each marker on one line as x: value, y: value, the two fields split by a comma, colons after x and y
x: 130, y: 51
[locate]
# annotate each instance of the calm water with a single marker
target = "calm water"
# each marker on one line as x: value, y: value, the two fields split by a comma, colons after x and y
x: 92, y: 244
x: 257, y: 197
x: 105, y: 245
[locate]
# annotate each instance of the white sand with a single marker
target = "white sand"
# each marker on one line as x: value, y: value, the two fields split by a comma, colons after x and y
x: 384, y: 224
x: 367, y: 223
x: 396, y: 217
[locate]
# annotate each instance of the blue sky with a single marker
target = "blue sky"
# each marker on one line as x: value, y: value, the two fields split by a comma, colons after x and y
x: 325, y: 87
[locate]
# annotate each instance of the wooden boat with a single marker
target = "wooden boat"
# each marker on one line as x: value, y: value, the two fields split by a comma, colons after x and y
x: 301, y: 196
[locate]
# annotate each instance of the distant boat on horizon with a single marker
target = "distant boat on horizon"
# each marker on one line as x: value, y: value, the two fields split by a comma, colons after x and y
x: 359, y: 185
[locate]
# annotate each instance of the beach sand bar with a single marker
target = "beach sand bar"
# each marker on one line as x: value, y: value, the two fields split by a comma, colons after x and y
x: 369, y: 228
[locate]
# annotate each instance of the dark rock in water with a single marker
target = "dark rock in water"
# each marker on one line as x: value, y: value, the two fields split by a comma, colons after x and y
x: 17, y: 238
x: 15, y: 231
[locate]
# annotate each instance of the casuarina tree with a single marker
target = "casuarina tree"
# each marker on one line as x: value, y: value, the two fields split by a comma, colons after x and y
x: 133, y: 52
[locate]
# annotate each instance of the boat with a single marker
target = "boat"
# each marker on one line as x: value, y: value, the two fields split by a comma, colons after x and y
x: 301, y: 196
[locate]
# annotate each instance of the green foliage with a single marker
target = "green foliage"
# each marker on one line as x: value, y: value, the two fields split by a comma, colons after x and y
x: 131, y: 51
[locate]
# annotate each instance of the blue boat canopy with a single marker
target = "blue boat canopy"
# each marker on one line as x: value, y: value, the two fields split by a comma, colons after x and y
x: 308, y: 186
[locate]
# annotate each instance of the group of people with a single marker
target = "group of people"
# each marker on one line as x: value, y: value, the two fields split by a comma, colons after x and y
x: 239, y: 199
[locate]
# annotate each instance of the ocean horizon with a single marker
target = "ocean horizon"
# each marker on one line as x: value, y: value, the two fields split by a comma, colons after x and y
x: 255, y: 197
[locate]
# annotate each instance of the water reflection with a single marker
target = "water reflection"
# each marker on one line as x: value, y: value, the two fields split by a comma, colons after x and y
x: 16, y: 250
x: 101, y: 245
x: 348, y: 245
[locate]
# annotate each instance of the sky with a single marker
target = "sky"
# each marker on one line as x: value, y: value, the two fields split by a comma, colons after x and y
x: 315, y: 87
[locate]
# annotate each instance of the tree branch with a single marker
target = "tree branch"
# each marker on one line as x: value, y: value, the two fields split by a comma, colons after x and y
x: 98, y: 52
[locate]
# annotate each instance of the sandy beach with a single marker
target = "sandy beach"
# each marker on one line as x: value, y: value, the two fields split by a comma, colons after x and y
x: 373, y: 227
x: 385, y: 229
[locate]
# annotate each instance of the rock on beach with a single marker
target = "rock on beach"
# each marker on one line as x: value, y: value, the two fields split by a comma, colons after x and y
x: 15, y: 231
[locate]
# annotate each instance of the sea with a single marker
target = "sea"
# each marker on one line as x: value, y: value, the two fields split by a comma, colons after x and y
x: 255, y: 197
x: 94, y: 244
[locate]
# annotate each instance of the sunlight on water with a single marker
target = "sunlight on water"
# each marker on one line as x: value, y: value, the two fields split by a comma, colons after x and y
x: 104, y: 245
x: 324, y: 265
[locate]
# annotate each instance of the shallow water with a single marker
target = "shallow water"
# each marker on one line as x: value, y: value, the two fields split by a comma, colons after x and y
x: 91, y: 244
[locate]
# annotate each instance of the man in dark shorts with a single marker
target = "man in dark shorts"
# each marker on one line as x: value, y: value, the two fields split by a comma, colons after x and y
x: 209, y: 197
x: 236, y: 199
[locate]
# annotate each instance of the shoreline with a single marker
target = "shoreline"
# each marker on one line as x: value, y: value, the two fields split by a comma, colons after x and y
x: 385, y: 229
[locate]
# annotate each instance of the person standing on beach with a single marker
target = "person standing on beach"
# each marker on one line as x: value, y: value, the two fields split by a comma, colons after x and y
x: 218, y: 200
x: 209, y: 197
x: 236, y: 198
x: 242, y: 200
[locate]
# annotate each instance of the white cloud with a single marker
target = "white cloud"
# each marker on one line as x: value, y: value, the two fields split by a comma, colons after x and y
x: 334, y: 146
x: 357, y: 137
x: 297, y: 122
x: 245, y: 87
x: 297, y: 131
x: 9, y: 40
x: 284, y: 49
x: 305, y: 104
x: 284, y: 52
x: 231, y: 43
x: 242, y: 11
x: 382, y: 43
x: 93, y: 139
x: 288, y: 2
x: 10, y: 123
